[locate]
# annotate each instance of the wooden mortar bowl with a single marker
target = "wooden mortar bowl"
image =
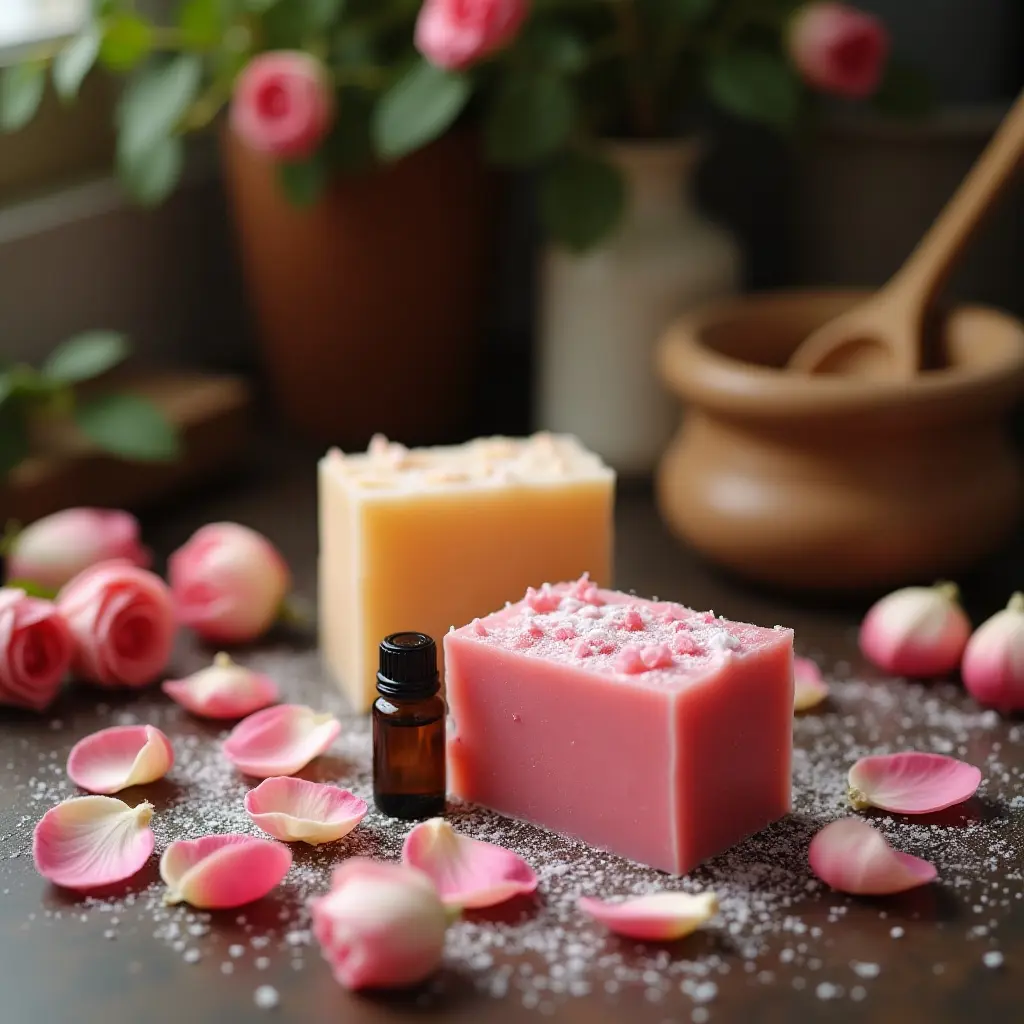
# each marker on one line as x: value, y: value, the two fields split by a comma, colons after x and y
x: 837, y: 483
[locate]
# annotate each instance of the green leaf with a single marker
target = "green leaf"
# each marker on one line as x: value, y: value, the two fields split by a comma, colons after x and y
x: 905, y: 92
x: 150, y: 175
x: 74, y: 62
x: 32, y: 589
x: 417, y: 109
x: 6, y: 386
x: 554, y: 48
x: 129, y: 427
x: 756, y: 85
x: 156, y: 100
x: 14, y: 443
x: 303, y: 182
x: 323, y: 14
x: 582, y: 198
x: 201, y: 23
x: 531, y: 117
x: 127, y: 40
x: 86, y: 356
x: 21, y: 91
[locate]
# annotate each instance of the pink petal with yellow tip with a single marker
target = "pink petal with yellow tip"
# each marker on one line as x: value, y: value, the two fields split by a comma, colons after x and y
x: 223, y: 690
x: 851, y: 856
x: 114, y: 759
x: 92, y: 841
x: 295, y: 810
x: 467, y: 872
x: 912, y: 782
x: 810, y: 689
x: 658, y: 917
x: 218, y: 872
x: 280, y: 740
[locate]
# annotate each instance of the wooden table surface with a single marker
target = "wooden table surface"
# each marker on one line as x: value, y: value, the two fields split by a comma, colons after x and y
x: 785, y: 949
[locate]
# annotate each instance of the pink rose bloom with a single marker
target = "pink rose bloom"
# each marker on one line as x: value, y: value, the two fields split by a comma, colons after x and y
x: 839, y: 49
x: 122, y: 618
x: 36, y: 648
x: 58, y: 547
x: 380, y: 926
x: 228, y: 583
x: 283, y: 104
x: 453, y: 34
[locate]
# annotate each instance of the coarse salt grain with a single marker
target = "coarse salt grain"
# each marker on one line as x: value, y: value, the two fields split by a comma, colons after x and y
x: 266, y: 997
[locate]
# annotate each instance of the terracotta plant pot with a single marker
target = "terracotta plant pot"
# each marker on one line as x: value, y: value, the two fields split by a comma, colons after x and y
x: 836, y: 483
x: 369, y: 303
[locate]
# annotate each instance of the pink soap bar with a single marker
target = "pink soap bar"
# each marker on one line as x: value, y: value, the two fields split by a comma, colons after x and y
x: 642, y: 727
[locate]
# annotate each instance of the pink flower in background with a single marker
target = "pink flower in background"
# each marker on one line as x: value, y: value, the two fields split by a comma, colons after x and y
x: 283, y: 104
x: 380, y: 926
x: 228, y: 583
x: 36, y: 648
x: 58, y: 547
x: 453, y: 34
x: 839, y: 49
x: 122, y: 618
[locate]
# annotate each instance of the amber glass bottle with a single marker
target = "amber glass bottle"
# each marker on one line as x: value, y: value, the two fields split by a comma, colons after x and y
x: 408, y: 729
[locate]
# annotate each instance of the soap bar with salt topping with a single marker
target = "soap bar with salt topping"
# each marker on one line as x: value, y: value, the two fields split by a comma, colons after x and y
x: 642, y: 727
x: 423, y: 539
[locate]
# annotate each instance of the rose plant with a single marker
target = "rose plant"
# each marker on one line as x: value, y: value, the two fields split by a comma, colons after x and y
x: 323, y: 86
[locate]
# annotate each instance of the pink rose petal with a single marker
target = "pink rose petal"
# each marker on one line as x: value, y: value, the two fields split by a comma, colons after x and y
x: 280, y: 741
x: 658, y: 917
x: 295, y: 810
x: 114, y: 759
x: 468, y: 872
x: 810, y: 688
x: 912, y: 782
x: 92, y: 841
x: 853, y: 857
x: 217, y: 872
x: 223, y: 690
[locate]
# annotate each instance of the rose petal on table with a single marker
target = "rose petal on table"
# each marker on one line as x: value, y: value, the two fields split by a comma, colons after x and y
x: 223, y: 690
x: 218, y: 872
x: 467, y: 872
x: 912, y: 782
x: 851, y: 856
x: 280, y: 740
x: 809, y: 689
x: 114, y: 759
x: 92, y: 841
x: 657, y: 917
x: 295, y: 810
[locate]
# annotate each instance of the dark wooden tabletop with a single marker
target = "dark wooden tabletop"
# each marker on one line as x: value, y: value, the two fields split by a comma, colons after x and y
x: 784, y: 949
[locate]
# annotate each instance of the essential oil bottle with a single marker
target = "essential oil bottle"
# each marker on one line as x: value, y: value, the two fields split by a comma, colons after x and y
x: 408, y: 729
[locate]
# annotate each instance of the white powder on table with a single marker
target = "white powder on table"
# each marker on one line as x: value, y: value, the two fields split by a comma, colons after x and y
x: 776, y: 925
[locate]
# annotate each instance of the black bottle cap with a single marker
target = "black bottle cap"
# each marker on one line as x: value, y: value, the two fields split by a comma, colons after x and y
x: 408, y: 666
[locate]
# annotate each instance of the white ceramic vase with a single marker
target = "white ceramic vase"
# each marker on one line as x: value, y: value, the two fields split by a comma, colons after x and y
x: 602, y: 313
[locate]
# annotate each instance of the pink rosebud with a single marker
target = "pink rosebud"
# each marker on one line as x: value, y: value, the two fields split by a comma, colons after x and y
x: 36, y: 648
x: 57, y: 548
x: 916, y: 631
x: 839, y: 49
x: 380, y: 926
x: 122, y: 618
x: 283, y: 104
x: 228, y: 583
x: 993, y: 666
x: 453, y: 34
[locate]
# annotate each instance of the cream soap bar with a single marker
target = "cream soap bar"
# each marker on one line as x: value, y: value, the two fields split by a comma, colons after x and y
x: 643, y: 727
x: 424, y: 539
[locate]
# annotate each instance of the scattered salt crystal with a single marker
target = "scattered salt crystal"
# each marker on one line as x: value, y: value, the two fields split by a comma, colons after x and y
x: 865, y: 970
x: 826, y: 990
x: 266, y: 997
x: 191, y: 956
x: 858, y: 993
x: 896, y: 932
x: 993, y: 959
x: 262, y: 963
x: 236, y: 950
x: 700, y: 1015
x: 227, y: 967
